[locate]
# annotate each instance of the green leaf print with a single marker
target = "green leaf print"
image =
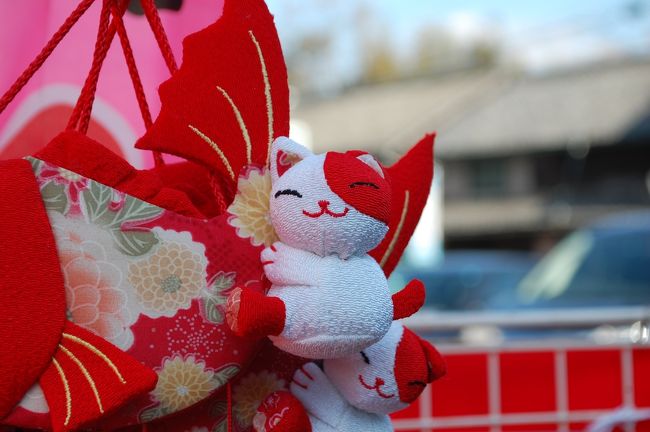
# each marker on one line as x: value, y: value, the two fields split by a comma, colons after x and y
x: 219, y: 409
x: 151, y: 414
x: 134, y: 243
x: 222, y: 426
x: 97, y: 200
x: 54, y: 197
x: 216, y: 297
x: 36, y: 165
x: 223, y: 375
x: 133, y: 210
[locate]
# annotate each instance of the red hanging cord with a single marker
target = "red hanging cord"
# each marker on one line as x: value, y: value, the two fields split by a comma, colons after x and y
x: 158, y: 30
x: 36, y: 64
x: 135, y: 76
x: 133, y: 69
x: 80, y: 118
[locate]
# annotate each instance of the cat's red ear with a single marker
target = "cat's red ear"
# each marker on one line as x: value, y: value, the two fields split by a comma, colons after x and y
x: 285, y: 153
x: 435, y: 363
x: 372, y: 163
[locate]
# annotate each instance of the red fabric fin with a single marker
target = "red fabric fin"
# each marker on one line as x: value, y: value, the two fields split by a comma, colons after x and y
x: 409, y: 300
x: 32, y: 297
x: 89, y: 378
x: 410, y: 179
x: 230, y: 97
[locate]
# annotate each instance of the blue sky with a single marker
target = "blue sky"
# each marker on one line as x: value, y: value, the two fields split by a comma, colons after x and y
x: 530, y: 11
x: 513, y: 15
x: 540, y: 33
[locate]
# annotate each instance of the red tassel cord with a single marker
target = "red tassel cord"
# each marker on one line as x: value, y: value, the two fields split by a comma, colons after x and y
x: 80, y: 118
x: 135, y: 76
x: 158, y: 30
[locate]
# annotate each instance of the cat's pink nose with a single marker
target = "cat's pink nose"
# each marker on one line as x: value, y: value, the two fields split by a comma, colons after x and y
x: 379, y: 382
x: 323, y: 204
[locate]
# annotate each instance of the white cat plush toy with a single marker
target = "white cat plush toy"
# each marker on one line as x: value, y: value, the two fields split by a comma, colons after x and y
x: 328, y: 297
x: 357, y: 392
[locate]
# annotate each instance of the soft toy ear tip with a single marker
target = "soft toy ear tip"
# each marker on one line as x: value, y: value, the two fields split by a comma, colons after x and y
x: 372, y: 163
x: 280, y: 140
x: 437, y: 365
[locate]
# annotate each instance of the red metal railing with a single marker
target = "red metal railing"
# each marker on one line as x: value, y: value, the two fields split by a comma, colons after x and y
x: 560, y: 386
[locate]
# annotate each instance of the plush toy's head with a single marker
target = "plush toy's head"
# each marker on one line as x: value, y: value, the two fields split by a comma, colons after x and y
x: 388, y: 375
x: 328, y: 204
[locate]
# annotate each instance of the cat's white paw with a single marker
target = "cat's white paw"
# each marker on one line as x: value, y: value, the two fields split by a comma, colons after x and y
x: 313, y: 388
x: 273, y: 259
x: 285, y: 265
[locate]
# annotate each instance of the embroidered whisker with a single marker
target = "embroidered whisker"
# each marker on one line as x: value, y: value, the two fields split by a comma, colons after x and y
x: 97, y: 352
x: 242, y: 125
x: 66, y: 388
x: 398, y: 230
x: 267, y: 92
x: 86, y: 375
x: 216, y: 148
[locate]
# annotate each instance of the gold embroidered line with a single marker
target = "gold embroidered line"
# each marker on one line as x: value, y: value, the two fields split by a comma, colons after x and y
x: 97, y: 352
x: 267, y: 92
x: 398, y: 231
x: 242, y: 125
x: 66, y: 388
x: 216, y: 148
x: 85, y: 373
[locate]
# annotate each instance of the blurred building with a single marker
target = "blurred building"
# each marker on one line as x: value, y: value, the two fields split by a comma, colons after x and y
x: 526, y: 158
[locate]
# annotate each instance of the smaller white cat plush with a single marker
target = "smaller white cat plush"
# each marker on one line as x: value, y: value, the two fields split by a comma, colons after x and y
x: 328, y: 297
x: 354, y: 393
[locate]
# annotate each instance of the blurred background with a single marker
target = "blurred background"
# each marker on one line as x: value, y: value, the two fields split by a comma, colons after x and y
x: 541, y: 107
x: 535, y: 243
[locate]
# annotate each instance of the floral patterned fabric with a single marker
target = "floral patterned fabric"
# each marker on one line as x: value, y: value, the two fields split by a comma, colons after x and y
x: 271, y: 370
x: 154, y: 283
x: 250, y: 209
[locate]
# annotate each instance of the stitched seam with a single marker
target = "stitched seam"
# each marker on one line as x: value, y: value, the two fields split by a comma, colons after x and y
x: 86, y: 374
x: 97, y: 352
x: 214, y: 147
x: 267, y: 92
x: 242, y: 125
x: 398, y: 231
x: 66, y: 388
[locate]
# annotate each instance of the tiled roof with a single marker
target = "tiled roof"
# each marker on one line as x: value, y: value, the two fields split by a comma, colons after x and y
x: 488, y: 113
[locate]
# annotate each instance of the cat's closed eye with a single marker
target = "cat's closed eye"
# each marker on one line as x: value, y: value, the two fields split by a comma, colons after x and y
x: 288, y: 192
x: 365, y: 357
x: 368, y: 184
